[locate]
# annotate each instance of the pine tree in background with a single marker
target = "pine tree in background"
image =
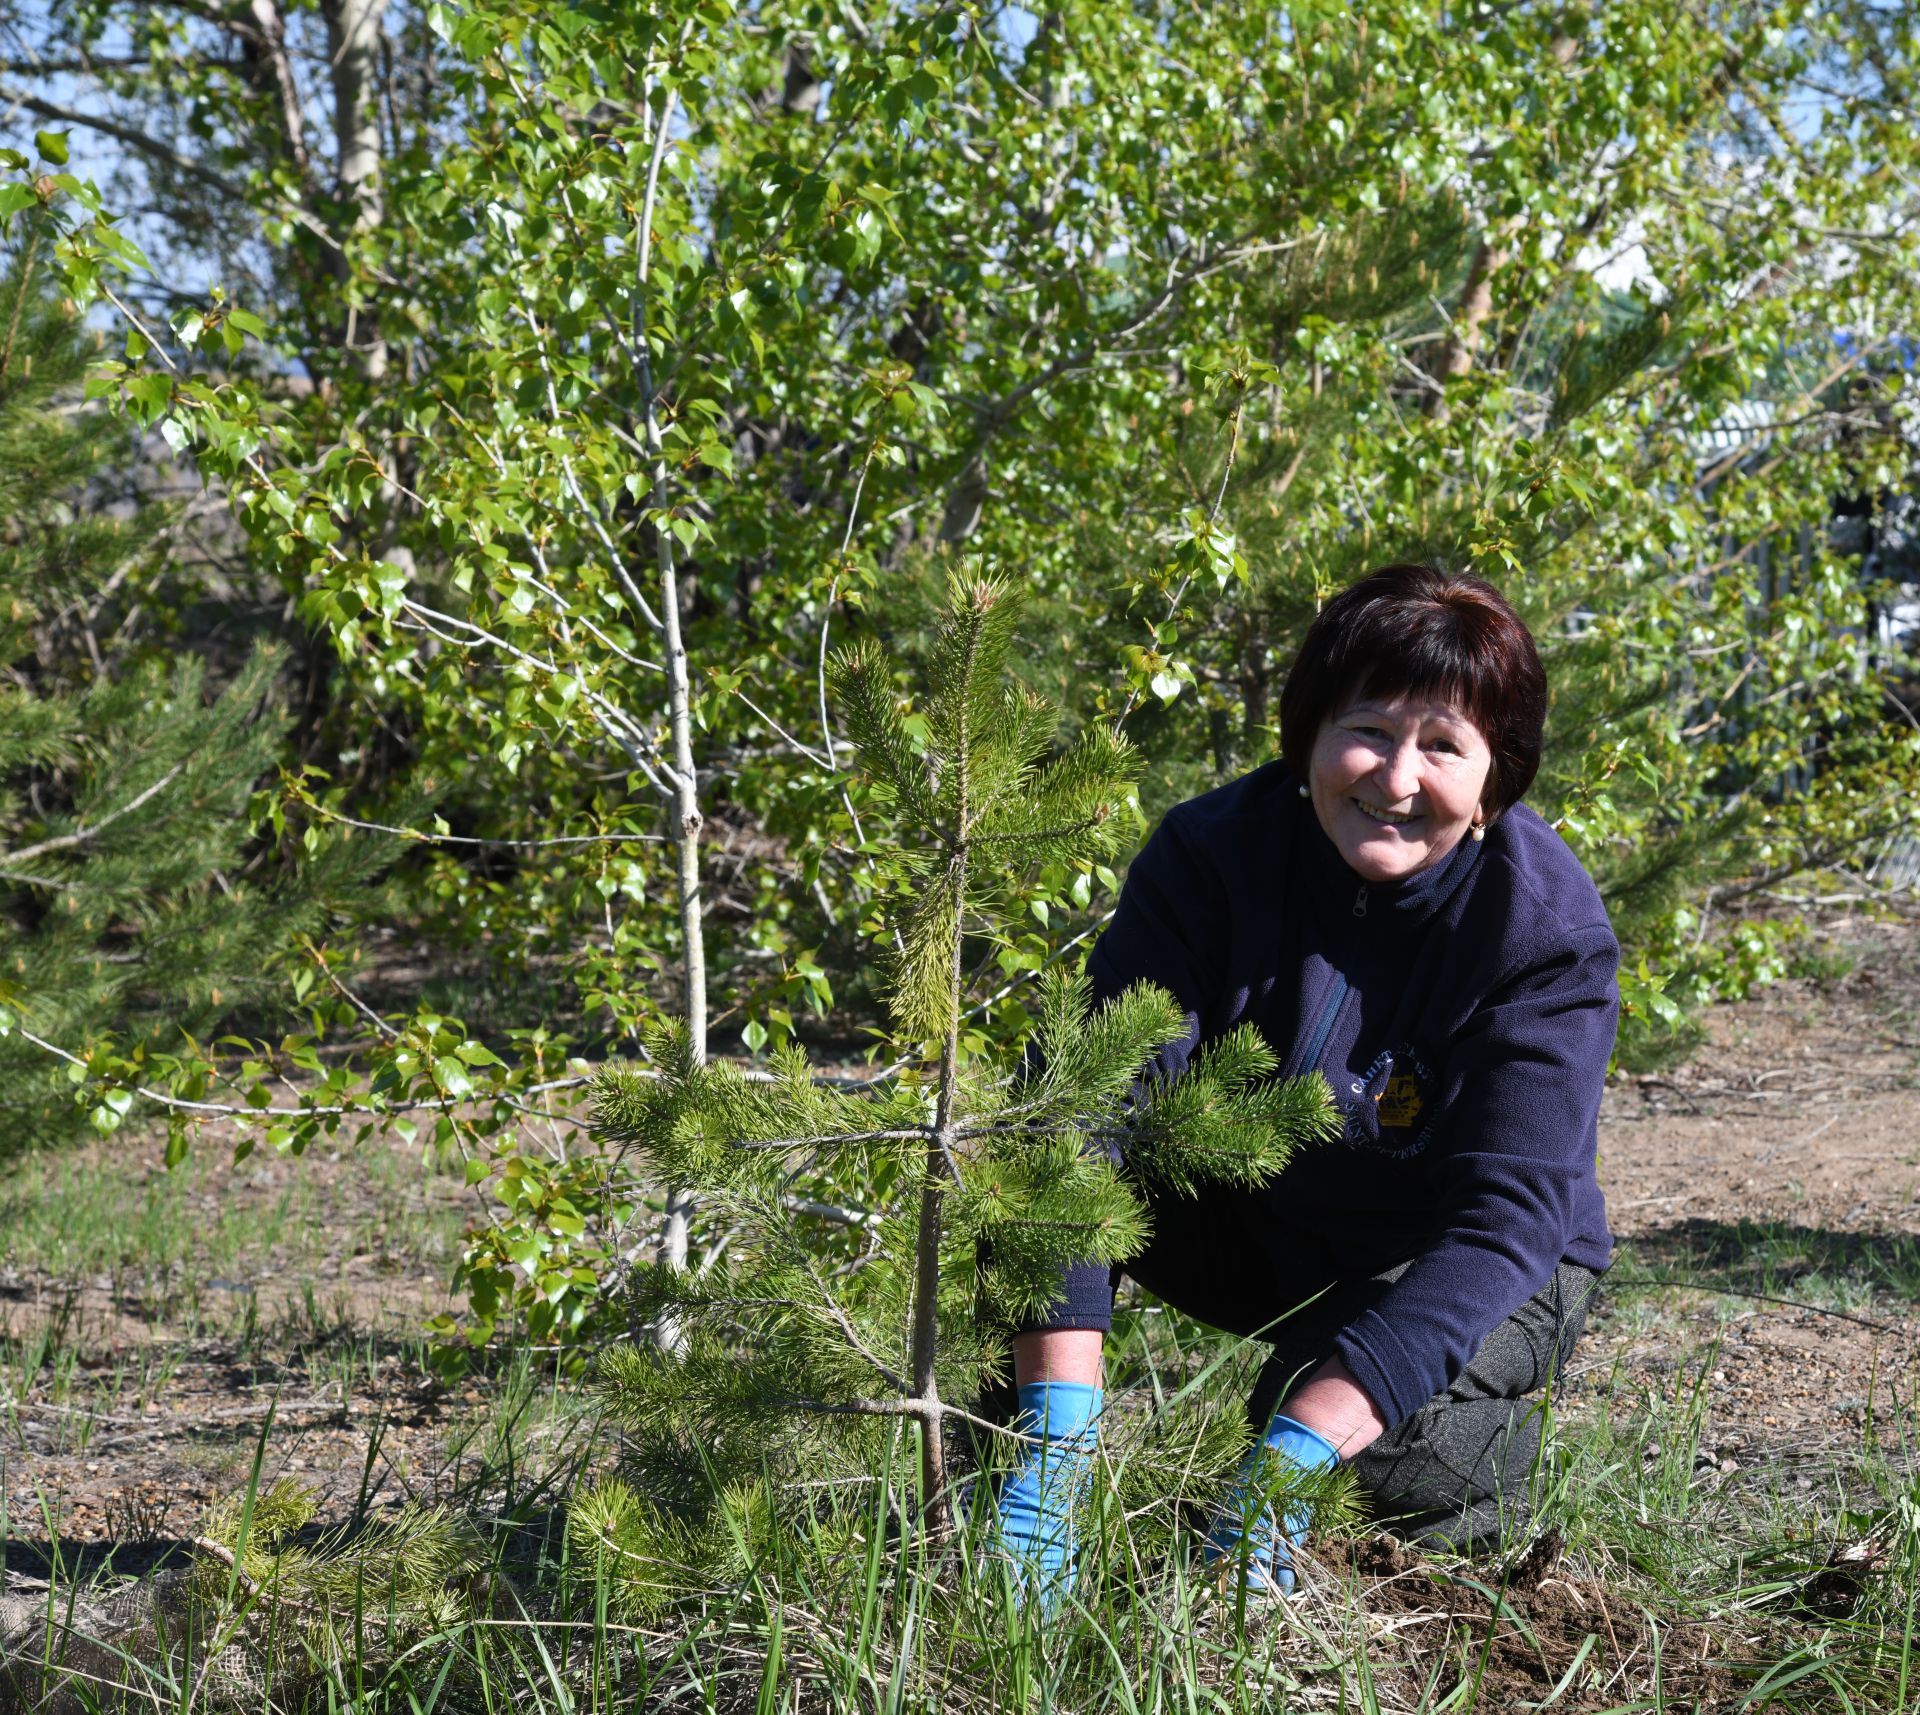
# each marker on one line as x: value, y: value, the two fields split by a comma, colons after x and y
x: 124, y: 778
x: 807, y: 1342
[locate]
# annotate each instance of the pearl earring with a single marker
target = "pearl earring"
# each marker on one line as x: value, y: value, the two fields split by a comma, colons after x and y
x: 1479, y: 829
x: 1304, y: 792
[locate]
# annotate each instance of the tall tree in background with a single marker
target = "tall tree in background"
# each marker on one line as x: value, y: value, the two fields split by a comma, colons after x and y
x: 925, y: 275
x: 253, y: 133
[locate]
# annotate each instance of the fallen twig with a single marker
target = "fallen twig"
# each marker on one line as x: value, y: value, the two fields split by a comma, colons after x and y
x: 1758, y: 1297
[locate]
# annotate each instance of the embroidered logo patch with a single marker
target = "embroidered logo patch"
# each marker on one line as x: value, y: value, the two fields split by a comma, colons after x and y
x: 1400, y: 1102
x: 1394, y: 1109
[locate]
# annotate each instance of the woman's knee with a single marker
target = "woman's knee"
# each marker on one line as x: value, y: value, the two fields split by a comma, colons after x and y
x: 1454, y: 1466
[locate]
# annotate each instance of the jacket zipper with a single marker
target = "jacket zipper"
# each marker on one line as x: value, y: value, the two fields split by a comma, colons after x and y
x: 1360, y: 901
x: 1324, y: 1028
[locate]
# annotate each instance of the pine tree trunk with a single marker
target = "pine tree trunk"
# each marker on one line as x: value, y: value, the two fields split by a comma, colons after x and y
x: 933, y: 1196
x: 1476, y: 296
x: 933, y: 1190
x: 1476, y: 304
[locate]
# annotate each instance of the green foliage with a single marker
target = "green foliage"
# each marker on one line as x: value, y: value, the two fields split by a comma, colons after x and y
x: 1209, y: 1125
x: 645, y: 1555
x: 791, y: 1355
x: 124, y: 780
x: 1596, y: 361
x: 713, y: 1125
x: 1700, y: 966
x: 980, y: 795
x: 1179, y: 315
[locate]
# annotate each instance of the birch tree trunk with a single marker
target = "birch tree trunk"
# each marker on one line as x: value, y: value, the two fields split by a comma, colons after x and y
x: 684, y: 811
x: 353, y: 46
x: 273, y: 74
x: 687, y: 822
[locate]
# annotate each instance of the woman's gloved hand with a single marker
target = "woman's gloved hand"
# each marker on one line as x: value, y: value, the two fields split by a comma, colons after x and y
x: 1035, y: 1506
x: 1244, y: 1531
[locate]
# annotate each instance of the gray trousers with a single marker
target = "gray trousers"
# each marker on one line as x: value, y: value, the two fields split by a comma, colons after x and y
x: 1457, y: 1471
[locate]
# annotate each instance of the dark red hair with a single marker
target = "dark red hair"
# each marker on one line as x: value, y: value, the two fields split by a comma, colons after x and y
x: 1418, y: 631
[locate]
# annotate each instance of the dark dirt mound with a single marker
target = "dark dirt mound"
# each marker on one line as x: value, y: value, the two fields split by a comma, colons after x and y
x: 1534, y: 1631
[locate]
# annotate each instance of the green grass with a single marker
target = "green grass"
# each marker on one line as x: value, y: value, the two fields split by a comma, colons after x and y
x: 1664, y: 1554
x: 91, y: 1214
x: 1777, y: 1259
x: 1796, y: 1573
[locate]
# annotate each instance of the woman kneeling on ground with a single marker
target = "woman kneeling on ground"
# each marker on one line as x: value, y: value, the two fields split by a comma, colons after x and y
x: 1384, y: 909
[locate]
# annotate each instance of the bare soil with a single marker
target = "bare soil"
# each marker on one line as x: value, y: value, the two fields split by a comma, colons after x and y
x: 155, y: 1381
x: 1537, y: 1631
x: 1781, y: 1164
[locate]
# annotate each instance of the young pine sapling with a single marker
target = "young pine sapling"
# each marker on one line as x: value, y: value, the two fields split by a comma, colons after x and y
x: 984, y: 1168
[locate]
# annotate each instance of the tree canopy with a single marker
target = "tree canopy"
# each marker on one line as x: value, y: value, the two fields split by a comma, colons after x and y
x: 580, y: 380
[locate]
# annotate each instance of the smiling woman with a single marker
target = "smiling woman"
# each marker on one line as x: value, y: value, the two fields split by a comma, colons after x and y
x: 1391, y: 917
x: 1414, y: 715
x: 1396, y: 782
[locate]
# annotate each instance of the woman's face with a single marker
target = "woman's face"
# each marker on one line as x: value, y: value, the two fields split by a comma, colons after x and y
x: 1396, y: 783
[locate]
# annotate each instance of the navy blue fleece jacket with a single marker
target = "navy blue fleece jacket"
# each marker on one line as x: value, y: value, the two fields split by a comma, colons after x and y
x: 1464, y: 1019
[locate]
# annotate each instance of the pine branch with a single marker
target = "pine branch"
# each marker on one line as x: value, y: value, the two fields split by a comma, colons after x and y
x: 863, y: 683
x: 908, y: 1134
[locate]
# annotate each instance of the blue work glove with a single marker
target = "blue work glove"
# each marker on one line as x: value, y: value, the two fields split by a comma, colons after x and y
x: 1244, y: 1530
x: 1035, y: 1506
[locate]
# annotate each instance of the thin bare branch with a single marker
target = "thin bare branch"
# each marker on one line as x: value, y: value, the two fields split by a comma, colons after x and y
x: 423, y: 836
x: 166, y: 154
x: 833, y: 591
x: 80, y: 836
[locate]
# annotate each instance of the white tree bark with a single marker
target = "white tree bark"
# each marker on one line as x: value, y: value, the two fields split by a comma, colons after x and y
x: 353, y: 47
x: 685, y: 809
x: 270, y: 43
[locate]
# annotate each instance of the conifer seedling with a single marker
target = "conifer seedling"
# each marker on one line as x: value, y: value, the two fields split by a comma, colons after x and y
x: 804, y: 1343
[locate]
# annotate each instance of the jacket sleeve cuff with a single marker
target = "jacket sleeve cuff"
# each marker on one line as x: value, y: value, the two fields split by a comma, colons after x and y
x: 1381, y: 1365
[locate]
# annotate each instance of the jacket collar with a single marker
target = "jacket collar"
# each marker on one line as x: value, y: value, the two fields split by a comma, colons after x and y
x: 1335, y: 888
